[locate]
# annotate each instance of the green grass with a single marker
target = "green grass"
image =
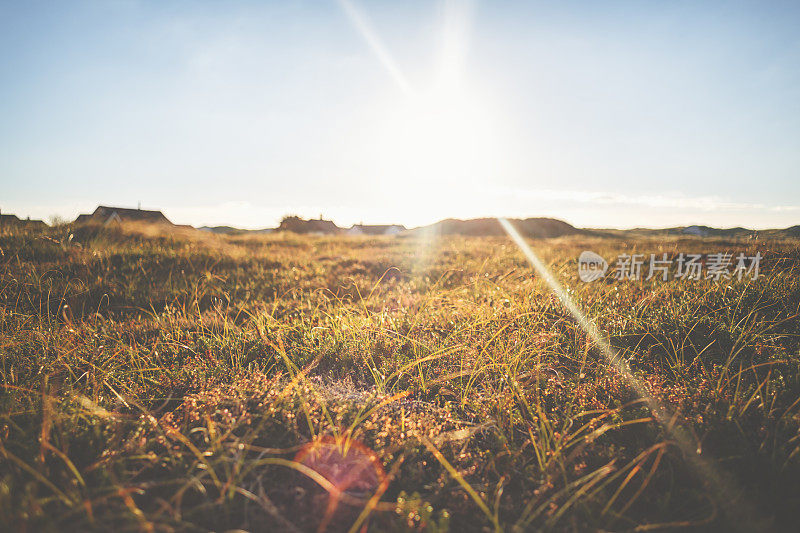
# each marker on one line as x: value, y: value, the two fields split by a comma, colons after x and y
x: 168, y: 382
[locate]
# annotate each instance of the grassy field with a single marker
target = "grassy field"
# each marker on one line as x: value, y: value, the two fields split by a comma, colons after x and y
x: 280, y: 383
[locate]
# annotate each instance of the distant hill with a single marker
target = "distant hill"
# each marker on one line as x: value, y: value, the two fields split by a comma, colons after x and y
x: 529, y: 227
x: 696, y: 230
x: 703, y: 231
x: 793, y: 231
x: 538, y: 227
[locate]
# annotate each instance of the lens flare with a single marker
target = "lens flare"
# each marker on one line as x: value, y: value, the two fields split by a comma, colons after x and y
x: 451, y: 125
x: 721, y: 486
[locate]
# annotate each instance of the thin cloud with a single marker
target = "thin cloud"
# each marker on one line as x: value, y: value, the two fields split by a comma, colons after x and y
x: 703, y: 203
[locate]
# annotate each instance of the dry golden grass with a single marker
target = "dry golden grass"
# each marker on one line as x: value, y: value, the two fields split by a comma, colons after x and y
x: 277, y: 382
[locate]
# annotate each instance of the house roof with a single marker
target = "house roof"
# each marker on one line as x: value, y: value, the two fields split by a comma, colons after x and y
x: 14, y: 219
x: 377, y: 229
x: 125, y: 213
x: 298, y: 225
x: 105, y: 213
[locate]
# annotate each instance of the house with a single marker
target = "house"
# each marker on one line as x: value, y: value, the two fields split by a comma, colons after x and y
x: 313, y: 226
x: 230, y: 230
x: 8, y: 220
x: 376, y: 229
x: 105, y: 215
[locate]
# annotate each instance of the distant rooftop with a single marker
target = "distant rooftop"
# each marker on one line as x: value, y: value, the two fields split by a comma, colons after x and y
x: 376, y: 229
x: 106, y: 214
x: 8, y: 219
x: 299, y: 225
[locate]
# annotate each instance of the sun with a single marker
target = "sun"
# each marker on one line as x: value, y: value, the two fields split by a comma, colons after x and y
x: 438, y: 142
x: 443, y: 133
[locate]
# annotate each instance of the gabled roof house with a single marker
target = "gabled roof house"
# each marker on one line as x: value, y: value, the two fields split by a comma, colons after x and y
x: 376, y: 229
x: 106, y: 215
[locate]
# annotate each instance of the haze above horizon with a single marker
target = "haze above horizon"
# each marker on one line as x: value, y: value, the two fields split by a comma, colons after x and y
x: 617, y: 115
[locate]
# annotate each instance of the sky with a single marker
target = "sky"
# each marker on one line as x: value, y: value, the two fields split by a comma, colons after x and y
x: 603, y: 114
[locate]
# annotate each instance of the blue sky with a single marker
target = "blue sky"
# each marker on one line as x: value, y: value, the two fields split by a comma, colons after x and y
x: 605, y: 114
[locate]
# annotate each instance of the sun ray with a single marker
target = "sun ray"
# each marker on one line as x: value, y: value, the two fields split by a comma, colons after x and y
x: 724, y: 489
x: 361, y: 23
